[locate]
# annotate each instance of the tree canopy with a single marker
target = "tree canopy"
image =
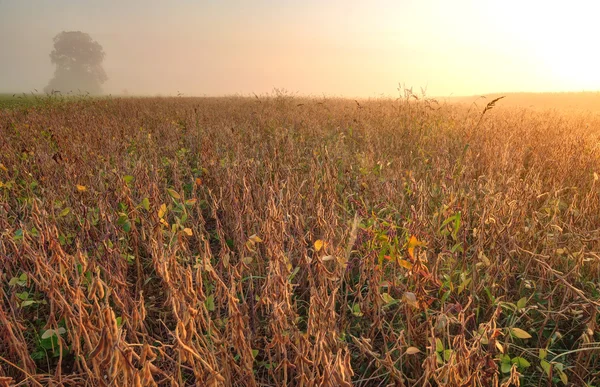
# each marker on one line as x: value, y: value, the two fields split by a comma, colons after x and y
x: 78, y: 59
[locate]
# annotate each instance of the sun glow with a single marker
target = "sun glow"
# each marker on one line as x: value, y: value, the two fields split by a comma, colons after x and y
x: 559, y: 38
x: 345, y: 48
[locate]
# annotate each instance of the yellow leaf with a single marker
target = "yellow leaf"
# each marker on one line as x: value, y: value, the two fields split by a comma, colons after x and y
x: 405, y: 264
x: 2, y: 167
x: 198, y: 182
x: 164, y: 222
x: 225, y: 260
x: 521, y: 334
x: 250, y: 245
x: 162, y: 211
x: 596, y: 177
x: 188, y: 231
x: 81, y: 188
x: 484, y: 259
x: 563, y: 377
x: 411, y: 299
x: 343, y: 262
x: 499, y: 346
x: 255, y: 238
x: 412, y: 351
x: 411, y: 253
x: 328, y: 258
x: 191, y: 202
x: 318, y: 244
x: 412, y: 243
x: 1, y: 184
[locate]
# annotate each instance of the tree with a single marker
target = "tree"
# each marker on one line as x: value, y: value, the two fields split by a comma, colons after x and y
x: 78, y: 59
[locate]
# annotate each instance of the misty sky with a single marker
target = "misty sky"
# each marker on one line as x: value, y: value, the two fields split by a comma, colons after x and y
x: 339, y: 48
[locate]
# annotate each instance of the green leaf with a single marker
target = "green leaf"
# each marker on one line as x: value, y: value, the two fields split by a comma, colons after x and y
x: 50, y: 343
x: 13, y: 281
x: 447, y: 354
x: 505, y: 367
x: 38, y: 355
x: 439, y: 346
x: 356, y: 310
x: 543, y: 353
x: 124, y: 222
x: 64, y: 212
x: 521, y: 362
x: 145, y: 204
x: 483, y: 337
x: 28, y: 302
x: 438, y: 358
x: 48, y: 333
x: 18, y: 235
x: 174, y: 194
x: 463, y: 285
x: 254, y: 353
x: 128, y: 179
x: 445, y: 296
x: 387, y: 298
x: 547, y: 367
x: 23, y: 295
x: 210, y: 303
x: 456, y: 226
x: 293, y: 273
x: 457, y: 247
x: 521, y: 303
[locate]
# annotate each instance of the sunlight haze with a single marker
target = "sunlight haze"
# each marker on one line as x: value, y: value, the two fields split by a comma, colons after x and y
x: 337, y: 48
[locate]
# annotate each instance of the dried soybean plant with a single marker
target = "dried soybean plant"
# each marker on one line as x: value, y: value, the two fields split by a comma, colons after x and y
x: 222, y: 241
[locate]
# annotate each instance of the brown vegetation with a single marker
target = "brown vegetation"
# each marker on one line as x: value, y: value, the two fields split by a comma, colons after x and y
x: 278, y: 241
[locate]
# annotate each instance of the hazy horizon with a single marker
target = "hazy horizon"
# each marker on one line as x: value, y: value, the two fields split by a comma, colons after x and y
x: 346, y: 49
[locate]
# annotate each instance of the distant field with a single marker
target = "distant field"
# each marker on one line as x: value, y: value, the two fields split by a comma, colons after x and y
x: 11, y: 101
x: 579, y: 102
x: 14, y: 100
x: 273, y: 241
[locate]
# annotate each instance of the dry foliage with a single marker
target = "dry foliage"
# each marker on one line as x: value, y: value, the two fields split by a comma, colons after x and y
x: 286, y: 241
